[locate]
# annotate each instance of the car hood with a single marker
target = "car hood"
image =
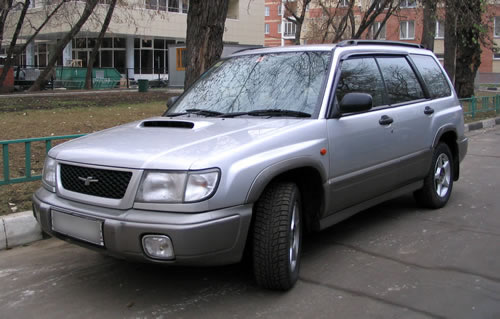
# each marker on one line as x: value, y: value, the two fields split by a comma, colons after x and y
x: 169, y: 143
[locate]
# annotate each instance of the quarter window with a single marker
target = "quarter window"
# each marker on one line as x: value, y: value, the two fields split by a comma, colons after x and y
x: 361, y: 75
x: 432, y: 75
x: 400, y: 80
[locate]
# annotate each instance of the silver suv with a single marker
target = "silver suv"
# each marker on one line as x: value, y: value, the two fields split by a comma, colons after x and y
x: 266, y: 145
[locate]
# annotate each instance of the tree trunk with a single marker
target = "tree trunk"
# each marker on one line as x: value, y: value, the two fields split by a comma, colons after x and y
x: 4, y: 12
x: 95, y: 50
x: 468, y: 50
x: 87, y: 11
x: 10, y: 51
x: 205, y: 29
x: 429, y: 32
x: 450, y: 39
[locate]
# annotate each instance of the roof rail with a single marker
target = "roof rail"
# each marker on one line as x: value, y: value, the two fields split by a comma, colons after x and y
x: 379, y: 42
x: 248, y: 49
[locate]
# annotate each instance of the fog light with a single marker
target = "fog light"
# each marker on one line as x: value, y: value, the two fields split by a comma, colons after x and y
x: 158, y: 246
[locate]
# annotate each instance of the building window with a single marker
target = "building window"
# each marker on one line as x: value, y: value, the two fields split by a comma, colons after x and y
x: 266, y: 28
x: 280, y: 9
x: 408, y: 4
x: 177, y: 6
x: 376, y: 26
x: 180, y: 59
x: 290, y: 28
x: 407, y: 30
x: 279, y: 28
x: 497, y: 27
x: 496, y: 56
x: 343, y: 3
x: 160, y: 5
x: 267, y: 12
x: 439, y: 29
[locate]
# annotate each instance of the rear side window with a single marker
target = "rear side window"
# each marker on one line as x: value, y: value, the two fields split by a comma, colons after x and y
x: 401, y: 82
x: 433, y: 76
x: 361, y: 75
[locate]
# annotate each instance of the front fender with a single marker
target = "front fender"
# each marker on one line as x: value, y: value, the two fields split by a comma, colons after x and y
x: 269, y: 173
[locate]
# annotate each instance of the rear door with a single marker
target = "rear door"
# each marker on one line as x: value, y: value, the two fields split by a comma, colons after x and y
x: 412, y: 118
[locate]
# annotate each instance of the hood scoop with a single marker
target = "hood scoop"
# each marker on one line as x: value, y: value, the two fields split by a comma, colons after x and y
x: 171, y: 124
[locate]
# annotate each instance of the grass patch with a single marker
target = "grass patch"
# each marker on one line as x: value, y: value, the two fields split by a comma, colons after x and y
x: 64, y: 115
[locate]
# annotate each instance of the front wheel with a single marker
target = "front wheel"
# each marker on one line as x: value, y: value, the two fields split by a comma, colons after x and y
x: 277, y: 236
x: 439, y: 181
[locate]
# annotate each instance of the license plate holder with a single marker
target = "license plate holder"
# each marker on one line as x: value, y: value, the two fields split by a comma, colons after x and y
x: 78, y: 227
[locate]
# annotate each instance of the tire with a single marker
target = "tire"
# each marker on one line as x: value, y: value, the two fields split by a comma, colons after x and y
x: 277, y: 236
x: 438, y: 183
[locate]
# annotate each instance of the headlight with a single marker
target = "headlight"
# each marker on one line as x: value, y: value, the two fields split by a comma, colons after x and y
x: 49, y: 172
x: 177, y: 187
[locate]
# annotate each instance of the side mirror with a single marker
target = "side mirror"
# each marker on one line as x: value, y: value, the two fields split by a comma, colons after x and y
x: 355, y: 102
x: 171, y: 100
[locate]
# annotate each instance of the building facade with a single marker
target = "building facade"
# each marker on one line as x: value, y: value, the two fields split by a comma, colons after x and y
x: 138, y: 38
x: 405, y: 25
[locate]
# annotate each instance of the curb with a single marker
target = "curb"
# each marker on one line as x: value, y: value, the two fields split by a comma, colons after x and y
x: 482, y: 124
x: 18, y: 229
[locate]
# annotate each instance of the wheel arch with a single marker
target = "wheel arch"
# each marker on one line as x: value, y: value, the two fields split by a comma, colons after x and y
x: 448, y: 135
x: 309, y: 177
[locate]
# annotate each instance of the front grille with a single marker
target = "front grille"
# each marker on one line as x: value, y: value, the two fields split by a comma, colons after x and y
x: 93, y: 181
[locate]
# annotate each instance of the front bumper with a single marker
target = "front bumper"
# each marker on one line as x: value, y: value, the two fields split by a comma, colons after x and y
x: 210, y: 238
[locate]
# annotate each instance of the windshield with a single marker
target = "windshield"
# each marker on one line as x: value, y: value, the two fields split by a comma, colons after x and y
x: 278, y: 82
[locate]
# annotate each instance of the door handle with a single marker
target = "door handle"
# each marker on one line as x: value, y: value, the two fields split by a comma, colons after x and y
x: 428, y: 110
x: 385, y: 120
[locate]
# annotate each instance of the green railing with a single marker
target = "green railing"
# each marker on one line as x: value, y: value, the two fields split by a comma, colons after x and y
x: 474, y: 105
x: 28, y: 176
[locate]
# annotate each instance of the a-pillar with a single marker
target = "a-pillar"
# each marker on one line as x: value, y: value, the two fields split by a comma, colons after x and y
x: 130, y: 57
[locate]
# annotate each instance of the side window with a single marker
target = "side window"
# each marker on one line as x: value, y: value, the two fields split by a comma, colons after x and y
x: 401, y: 82
x: 361, y: 75
x: 433, y: 76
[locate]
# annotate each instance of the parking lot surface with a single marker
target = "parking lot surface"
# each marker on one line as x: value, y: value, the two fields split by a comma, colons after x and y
x: 392, y: 261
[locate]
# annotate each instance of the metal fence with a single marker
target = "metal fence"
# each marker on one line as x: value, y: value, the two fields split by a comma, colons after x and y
x: 475, y: 106
x: 28, y: 176
x: 25, y: 76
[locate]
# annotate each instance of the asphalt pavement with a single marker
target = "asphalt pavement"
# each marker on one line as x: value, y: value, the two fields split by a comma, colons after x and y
x: 392, y: 261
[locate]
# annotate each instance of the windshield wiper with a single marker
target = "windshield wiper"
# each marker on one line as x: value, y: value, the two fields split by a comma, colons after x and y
x: 197, y: 112
x: 268, y: 112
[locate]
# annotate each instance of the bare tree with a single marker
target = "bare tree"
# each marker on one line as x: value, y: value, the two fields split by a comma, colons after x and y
x: 295, y: 12
x: 87, y: 11
x: 13, y: 51
x: 339, y: 19
x: 95, y: 50
x: 5, y: 8
x: 205, y: 29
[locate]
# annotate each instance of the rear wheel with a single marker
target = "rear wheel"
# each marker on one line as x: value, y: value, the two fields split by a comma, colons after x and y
x: 439, y: 182
x: 277, y: 236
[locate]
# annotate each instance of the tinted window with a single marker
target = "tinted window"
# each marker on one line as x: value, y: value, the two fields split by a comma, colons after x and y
x: 433, y: 76
x: 401, y: 82
x: 361, y: 76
